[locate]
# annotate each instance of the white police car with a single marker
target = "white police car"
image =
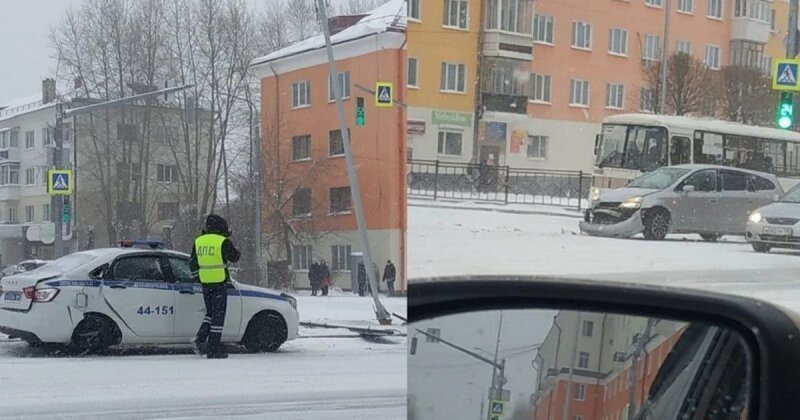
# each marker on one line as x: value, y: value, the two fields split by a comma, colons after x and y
x: 117, y: 296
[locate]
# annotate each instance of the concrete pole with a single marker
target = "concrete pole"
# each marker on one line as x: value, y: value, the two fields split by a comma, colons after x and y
x: 57, y: 201
x: 565, y: 414
x: 662, y: 101
x: 380, y: 311
x: 791, y: 47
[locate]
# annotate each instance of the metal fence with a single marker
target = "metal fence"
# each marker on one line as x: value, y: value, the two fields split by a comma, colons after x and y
x: 501, y: 184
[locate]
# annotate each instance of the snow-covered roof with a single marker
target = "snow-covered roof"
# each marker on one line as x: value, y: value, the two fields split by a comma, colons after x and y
x: 704, y: 124
x: 391, y: 15
x: 22, y: 105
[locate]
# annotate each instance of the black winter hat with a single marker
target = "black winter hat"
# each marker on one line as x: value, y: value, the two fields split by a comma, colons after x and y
x: 216, y: 224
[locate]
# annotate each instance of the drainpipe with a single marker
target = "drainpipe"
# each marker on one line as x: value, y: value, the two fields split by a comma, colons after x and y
x: 478, y: 78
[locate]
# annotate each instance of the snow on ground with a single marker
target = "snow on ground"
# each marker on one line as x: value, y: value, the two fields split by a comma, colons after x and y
x: 451, y: 241
x: 311, y: 377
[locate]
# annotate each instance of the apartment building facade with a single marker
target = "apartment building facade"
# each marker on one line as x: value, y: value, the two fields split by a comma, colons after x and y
x: 600, y: 383
x: 442, y: 77
x: 302, y: 146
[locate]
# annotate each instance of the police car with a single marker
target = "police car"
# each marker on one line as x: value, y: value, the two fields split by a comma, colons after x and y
x: 135, y: 294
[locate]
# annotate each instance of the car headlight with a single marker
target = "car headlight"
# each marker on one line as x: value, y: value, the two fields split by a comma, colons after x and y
x: 632, y: 203
x: 755, y: 217
x: 292, y: 301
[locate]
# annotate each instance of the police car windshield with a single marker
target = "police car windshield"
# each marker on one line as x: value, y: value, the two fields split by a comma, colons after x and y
x: 69, y: 262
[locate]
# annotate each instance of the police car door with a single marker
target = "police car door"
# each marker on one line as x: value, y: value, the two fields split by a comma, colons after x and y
x: 189, y: 305
x: 140, y: 294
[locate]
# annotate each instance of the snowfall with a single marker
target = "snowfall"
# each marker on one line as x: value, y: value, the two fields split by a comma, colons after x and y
x: 326, y: 373
x: 459, y: 238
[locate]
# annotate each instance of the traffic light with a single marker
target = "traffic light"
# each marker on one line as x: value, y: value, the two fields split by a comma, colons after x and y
x: 361, y: 118
x: 786, y: 111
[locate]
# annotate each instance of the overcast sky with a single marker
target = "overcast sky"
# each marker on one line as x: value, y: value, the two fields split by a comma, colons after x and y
x: 25, y: 56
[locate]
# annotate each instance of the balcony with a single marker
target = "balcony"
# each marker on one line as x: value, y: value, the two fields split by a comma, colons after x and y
x: 9, y: 192
x: 513, y: 104
x: 10, y: 154
x: 749, y: 29
x: 508, y: 44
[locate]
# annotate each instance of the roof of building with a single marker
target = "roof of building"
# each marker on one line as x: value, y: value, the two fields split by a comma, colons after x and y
x: 390, y: 16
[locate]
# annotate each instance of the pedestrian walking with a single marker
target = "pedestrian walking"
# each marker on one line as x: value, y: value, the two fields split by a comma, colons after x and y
x: 362, y: 279
x: 313, y: 277
x: 212, y: 252
x: 325, y: 275
x: 389, y: 275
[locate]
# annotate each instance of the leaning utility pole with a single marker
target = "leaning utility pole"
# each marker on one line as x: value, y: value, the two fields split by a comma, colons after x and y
x: 791, y: 45
x: 384, y: 318
x: 634, y: 372
x: 662, y: 100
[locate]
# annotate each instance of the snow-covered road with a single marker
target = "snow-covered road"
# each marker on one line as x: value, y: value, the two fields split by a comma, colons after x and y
x: 311, y: 377
x: 470, y: 241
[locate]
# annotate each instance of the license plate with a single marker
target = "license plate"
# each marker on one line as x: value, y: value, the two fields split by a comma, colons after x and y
x: 778, y: 231
x: 12, y: 296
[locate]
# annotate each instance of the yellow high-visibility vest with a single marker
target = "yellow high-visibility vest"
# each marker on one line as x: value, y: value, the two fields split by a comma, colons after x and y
x: 208, y: 249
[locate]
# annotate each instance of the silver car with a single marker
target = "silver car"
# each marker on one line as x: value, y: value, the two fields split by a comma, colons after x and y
x: 709, y: 200
x: 777, y: 225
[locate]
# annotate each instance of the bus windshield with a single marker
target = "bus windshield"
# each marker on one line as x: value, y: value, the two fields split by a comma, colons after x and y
x: 633, y: 147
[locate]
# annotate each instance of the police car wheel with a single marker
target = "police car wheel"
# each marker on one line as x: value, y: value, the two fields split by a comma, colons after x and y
x: 92, y: 335
x: 266, y: 332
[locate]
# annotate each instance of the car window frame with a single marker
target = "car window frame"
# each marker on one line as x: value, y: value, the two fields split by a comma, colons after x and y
x: 748, y: 184
x: 717, y: 180
x: 171, y: 273
x: 109, y: 275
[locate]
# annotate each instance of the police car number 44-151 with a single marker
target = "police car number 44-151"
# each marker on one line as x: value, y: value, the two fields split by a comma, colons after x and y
x: 156, y: 310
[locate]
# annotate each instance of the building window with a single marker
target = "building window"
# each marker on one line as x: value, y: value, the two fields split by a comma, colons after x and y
x: 712, y: 57
x: 413, y: 72
x: 301, y: 202
x: 340, y: 200
x: 453, y: 77
x: 166, y: 173
x: 510, y: 15
x: 67, y: 132
x: 537, y: 147
x: 766, y: 65
x: 30, y: 176
x: 541, y: 87
x: 301, y: 257
x: 29, y: 214
x: 45, y: 213
x: 579, y: 92
x: 450, y: 143
x: 618, y: 41
x: 615, y: 95
x: 301, y: 147
x: 686, y: 6
x: 455, y: 13
x: 652, y: 47
x: 501, y: 76
x: 583, y: 360
x: 414, y: 9
x: 714, y: 9
x: 772, y: 21
x: 582, y: 35
x: 12, y: 215
x: 167, y: 211
x: 336, y: 142
x: 47, y: 136
x: 30, y: 139
x: 580, y: 392
x: 13, y: 138
x: 344, y: 86
x: 340, y: 257
x: 43, y: 174
x: 577, y: 417
x: 587, y: 329
x: 543, y: 29
x: 684, y: 47
x: 745, y: 53
x: 9, y: 175
x: 301, y: 94
x: 433, y: 334
x: 646, y: 102
x: 758, y: 10
x: 656, y: 3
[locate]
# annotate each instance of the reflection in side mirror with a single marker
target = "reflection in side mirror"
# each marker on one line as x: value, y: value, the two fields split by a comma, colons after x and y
x: 543, y: 364
x: 688, y: 188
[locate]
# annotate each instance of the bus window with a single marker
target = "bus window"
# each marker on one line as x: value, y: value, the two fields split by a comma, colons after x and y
x: 612, y: 146
x: 708, y: 148
x: 679, y: 151
x: 646, y: 149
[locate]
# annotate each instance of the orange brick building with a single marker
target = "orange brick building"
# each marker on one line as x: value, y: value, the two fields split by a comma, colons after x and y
x: 302, y: 145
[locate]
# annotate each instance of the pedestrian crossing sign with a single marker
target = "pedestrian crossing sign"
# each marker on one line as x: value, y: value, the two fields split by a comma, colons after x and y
x: 785, y: 75
x: 496, y: 407
x: 59, y: 182
x: 383, y: 95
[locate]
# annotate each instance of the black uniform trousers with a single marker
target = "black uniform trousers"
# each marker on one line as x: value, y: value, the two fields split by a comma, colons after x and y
x: 215, y: 297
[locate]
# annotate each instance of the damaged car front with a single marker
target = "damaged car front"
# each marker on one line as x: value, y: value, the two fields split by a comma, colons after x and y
x: 621, y: 212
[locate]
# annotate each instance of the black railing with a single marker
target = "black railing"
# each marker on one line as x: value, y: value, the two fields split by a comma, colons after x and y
x: 501, y: 184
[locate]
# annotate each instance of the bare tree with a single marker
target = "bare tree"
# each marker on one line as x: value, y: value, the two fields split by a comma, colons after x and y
x: 299, y: 15
x: 745, y: 95
x: 357, y: 7
x: 689, y: 84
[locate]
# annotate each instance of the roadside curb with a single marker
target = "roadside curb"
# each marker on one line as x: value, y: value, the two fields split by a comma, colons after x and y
x: 414, y: 203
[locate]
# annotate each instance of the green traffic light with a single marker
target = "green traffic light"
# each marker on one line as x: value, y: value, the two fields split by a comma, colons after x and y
x: 784, y: 122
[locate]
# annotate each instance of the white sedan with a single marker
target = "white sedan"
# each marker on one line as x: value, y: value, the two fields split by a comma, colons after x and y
x: 95, y: 299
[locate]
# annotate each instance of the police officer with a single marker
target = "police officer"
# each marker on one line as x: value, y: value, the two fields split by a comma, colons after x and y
x: 212, y: 252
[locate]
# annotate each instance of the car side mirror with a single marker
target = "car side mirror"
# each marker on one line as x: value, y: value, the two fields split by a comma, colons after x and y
x: 688, y: 188
x: 694, y: 353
